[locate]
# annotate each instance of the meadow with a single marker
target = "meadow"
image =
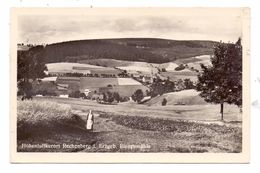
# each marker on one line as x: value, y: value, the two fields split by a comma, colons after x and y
x: 41, y: 122
x: 188, y: 128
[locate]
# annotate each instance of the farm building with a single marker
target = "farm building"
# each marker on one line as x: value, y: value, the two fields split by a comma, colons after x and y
x: 124, y: 86
x: 44, y: 87
x: 89, y: 85
x: 68, y: 84
x: 56, y: 86
x: 101, y: 72
x: 49, y: 79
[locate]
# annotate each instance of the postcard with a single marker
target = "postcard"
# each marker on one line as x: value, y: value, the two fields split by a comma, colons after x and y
x: 130, y: 85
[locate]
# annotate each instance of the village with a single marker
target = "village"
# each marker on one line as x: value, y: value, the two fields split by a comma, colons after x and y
x: 95, y: 82
x: 112, y: 84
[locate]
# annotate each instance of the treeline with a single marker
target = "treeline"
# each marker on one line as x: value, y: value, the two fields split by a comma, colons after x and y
x: 96, y: 49
x: 76, y: 74
x: 104, y: 97
x: 164, y: 43
x: 159, y: 86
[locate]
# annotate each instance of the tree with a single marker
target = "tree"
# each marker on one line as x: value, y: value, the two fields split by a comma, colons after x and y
x: 104, y: 97
x: 138, y: 96
x: 169, y: 86
x: 164, y: 102
x: 30, y: 65
x: 83, y: 96
x: 163, y: 70
x: 180, y: 67
x: 75, y: 94
x: 222, y: 82
x: 108, y: 97
x: 188, y: 84
x: 25, y: 87
x: 179, y: 85
x: 157, y: 87
x: 116, y: 96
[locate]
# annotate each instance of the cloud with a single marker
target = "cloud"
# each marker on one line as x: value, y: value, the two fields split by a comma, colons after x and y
x: 199, y: 26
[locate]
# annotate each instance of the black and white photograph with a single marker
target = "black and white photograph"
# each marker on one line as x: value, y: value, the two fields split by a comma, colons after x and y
x: 101, y: 81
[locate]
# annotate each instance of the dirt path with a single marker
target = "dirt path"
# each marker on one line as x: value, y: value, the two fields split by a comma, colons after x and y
x: 189, y: 112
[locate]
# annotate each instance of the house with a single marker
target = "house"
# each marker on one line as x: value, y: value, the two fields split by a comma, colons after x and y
x: 72, y: 83
x: 63, y: 87
x: 49, y: 79
x: 147, y: 79
x: 124, y: 86
x: 90, y: 86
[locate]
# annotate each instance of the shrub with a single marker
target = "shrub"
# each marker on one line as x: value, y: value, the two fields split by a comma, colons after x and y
x: 75, y: 94
x: 188, y: 84
x: 24, y: 87
x: 83, y: 96
x: 110, y: 97
x: 116, y: 96
x: 180, y: 67
x: 19, y: 93
x: 124, y: 99
x: 138, y: 95
x: 163, y: 70
x: 164, y: 102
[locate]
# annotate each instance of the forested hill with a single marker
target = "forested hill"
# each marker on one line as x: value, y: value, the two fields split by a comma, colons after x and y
x: 132, y: 49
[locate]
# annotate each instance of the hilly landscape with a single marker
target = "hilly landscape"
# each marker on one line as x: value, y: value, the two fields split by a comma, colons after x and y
x: 185, y: 97
x: 158, y: 68
x: 149, y: 50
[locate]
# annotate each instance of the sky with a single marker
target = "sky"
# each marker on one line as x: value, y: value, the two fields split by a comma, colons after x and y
x: 176, y: 24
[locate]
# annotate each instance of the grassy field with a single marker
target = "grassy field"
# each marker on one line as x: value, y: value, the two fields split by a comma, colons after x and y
x: 127, y: 127
x: 46, y: 122
x: 187, y: 97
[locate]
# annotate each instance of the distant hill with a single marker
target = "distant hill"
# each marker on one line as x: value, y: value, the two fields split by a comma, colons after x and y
x: 130, y: 49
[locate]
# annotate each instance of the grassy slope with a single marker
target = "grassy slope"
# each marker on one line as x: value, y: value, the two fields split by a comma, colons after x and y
x: 139, y: 124
x: 170, y: 136
x: 42, y: 122
x: 187, y: 97
x: 208, y: 112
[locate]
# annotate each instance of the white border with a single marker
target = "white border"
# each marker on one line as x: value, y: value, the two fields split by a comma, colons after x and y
x: 19, y: 157
x: 255, y: 93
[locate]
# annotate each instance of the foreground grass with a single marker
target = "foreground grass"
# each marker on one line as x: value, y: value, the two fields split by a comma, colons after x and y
x: 186, y: 136
x: 42, y: 122
x: 50, y: 122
